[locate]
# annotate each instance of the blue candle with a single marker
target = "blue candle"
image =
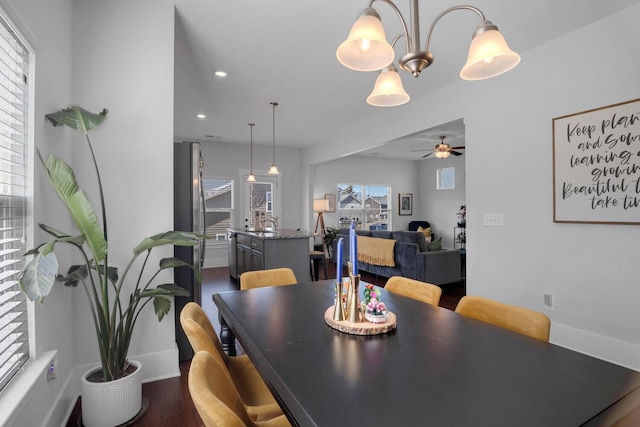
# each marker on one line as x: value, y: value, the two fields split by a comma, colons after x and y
x: 339, y: 261
x: 353, y: 249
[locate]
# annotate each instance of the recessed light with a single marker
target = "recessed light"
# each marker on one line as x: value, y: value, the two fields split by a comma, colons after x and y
x: 220, y: 73
x: 201, y: 116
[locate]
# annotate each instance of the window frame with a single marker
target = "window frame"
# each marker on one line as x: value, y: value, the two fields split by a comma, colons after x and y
x: 19, y: 109
x: 364, y: 213
x: 214, y: 241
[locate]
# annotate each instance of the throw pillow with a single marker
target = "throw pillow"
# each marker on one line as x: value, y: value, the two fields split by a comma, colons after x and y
x: 426, y: 232
x: 436, y: 245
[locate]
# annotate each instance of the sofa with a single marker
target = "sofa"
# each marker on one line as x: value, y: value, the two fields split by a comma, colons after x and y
x: 411, y: 256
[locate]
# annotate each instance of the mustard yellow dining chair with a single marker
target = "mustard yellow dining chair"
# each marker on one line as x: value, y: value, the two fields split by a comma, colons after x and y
x: 511, y: 317
x: 271, y: 277
x: 216, y: 398
x: 421, y: 291
x: 259, y: 402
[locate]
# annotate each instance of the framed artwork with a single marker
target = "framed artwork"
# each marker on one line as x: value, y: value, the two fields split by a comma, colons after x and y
x: 405, y: 204
x: 332, y: 201
x: 596, y: 165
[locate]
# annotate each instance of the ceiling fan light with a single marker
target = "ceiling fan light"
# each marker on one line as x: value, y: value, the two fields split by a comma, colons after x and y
x: 366, y: 48
x: 489, y: 54
x: 388, y: 90
x: 441, y: 154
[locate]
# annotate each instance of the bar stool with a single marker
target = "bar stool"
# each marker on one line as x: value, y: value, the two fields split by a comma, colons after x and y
x: 315, y: 258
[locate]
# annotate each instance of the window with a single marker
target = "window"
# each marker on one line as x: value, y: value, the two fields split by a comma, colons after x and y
x: 446, y: 179
x: 14, y: 333
x: 366, y: 205
x: 218, y: 200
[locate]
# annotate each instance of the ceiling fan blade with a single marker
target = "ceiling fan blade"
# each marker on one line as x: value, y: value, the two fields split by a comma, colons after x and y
x: 427, y: 155
x: 462, y: 147
x: 455, y: 153
x: 426, y: 149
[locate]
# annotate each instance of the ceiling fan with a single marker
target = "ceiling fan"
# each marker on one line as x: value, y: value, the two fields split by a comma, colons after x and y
x: 443, y: 150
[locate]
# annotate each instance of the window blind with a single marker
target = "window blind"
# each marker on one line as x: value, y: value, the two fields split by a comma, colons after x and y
x: 14, y: 66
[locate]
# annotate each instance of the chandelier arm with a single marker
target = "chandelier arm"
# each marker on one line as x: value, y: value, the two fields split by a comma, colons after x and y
x: 404, y: 24
x: 446, y: 12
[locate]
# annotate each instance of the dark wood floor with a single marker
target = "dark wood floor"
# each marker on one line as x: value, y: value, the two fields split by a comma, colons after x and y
x: 169, y: 400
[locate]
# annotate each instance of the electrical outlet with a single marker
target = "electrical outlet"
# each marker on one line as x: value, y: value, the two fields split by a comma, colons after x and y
x: 549, y: 302
x: 493, y: 220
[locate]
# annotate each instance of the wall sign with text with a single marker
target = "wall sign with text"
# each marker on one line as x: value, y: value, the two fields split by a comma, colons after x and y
x: 596, y: 165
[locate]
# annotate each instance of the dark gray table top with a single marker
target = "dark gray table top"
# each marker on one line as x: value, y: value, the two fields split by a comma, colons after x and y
x: 438, y: 368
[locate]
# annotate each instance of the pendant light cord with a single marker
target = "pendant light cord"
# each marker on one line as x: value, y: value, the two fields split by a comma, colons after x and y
x: 274, y: 104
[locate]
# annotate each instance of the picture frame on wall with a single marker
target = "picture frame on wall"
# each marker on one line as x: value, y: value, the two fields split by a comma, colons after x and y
x: 405, y: 204
x: 332, y: 201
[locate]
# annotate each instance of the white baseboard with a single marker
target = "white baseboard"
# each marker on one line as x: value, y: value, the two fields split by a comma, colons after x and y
x: 612, y: 350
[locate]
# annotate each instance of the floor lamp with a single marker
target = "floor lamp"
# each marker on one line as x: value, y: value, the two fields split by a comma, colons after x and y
x: 320, y: 206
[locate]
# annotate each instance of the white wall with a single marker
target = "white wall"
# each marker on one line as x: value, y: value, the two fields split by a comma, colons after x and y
x: 232, y: 161
x: 400, y: 175
x: 591, y: 269
x: 123, y: 60
x: 441, y: 206
x: 118, y: 55
x: 47, y: 27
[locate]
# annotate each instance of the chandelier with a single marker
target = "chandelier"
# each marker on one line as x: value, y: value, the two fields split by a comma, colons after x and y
x: 366, y: 49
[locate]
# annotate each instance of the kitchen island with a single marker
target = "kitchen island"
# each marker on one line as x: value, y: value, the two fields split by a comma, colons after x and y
x: 262, y: 250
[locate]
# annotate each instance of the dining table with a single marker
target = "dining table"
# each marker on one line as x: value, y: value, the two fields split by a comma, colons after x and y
x: 436, y: 368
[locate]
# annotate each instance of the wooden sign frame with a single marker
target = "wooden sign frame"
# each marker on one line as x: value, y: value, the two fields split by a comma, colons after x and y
x: 596, y: 165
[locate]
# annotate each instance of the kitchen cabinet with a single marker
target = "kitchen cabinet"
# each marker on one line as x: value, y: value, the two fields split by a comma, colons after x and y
x: 258, y: 250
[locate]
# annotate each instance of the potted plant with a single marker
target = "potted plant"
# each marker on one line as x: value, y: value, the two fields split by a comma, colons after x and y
x: 329, y: 237
x: 114, y: 315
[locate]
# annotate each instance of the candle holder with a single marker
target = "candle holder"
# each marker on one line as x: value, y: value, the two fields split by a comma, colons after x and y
x: 353, y: 304
x: 338, y: 308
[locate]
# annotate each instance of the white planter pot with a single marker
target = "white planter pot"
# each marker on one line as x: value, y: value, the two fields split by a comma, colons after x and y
x: 112, y: 403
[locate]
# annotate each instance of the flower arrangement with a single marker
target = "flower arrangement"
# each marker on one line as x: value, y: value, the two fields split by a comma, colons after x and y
x: 373, y: 304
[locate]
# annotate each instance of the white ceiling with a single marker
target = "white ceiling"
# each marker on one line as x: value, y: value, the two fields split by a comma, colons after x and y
x: 284, y: 51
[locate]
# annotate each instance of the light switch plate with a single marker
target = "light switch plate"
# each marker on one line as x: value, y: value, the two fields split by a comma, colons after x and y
x: 493, y: 220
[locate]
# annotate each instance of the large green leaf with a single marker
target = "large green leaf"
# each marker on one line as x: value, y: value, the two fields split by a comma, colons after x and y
x: 78, y: 118
x: 165, y: 289
x: 62, y: 177
x: 178, y: 238
x: 177, y: 262
x: 64, y: 181
x: 38, y: 277
x: 161, y: 305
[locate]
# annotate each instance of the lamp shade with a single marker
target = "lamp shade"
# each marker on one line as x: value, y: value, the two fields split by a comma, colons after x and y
x: 441, y: 154
x: 489, y: 56
x: 273, y: 170
x: 251, y: 177
x: 366, y: 47
x: 320, y: 205
x: 388, y: 90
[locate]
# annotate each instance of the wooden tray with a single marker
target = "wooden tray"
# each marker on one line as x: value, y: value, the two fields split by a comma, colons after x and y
x: 361, y: 328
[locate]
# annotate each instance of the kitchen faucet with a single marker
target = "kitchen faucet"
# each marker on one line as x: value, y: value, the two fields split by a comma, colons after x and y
x: 272, y: 219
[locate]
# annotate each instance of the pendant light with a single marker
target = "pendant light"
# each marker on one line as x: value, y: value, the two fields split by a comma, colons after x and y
x: 273, y: 170
x: 251, y: 177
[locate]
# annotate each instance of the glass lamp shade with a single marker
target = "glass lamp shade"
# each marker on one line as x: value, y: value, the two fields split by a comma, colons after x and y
x: 251, y: 177
x: 366, y: 47
x: 489, y: 56
x: 273, y: 170
x: 388, y: 90
x: 441, y: 154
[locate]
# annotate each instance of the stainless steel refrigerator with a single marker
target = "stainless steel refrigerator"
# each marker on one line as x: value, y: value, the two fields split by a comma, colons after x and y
x: 188, y: 215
